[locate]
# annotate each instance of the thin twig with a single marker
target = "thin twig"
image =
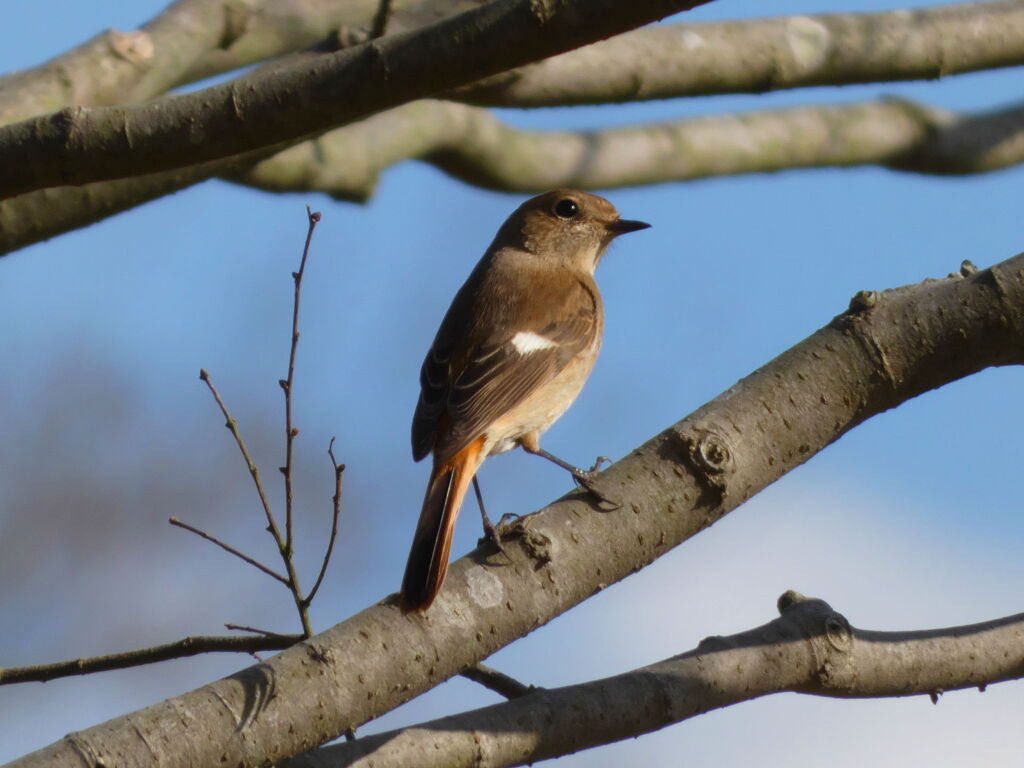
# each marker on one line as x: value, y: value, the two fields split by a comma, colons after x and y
x: 254, y: 471
x: 189, y: 646
x: 288, y: 384
x: 292, y: 581
x: 228, y: 548
x: 287, y: 552
x: 497, y: 681
x: 380, y: 19
x: 263, y: 632
x: 339, y: 470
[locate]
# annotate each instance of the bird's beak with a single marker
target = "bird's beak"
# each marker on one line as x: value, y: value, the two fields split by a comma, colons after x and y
x: 622, y: 226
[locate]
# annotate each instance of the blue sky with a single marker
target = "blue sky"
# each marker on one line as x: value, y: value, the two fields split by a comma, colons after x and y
x: 911, y: 521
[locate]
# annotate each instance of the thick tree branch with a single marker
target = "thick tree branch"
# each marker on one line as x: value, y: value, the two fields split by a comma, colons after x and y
x: 809, y: 649
x: 474, y: 146
x: 757, y: 55
x: 308, y: 96
x: 889, y: 347
x: 188, y: 646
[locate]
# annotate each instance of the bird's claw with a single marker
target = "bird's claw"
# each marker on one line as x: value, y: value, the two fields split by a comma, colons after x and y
x: 587, y: 478
x: 492, y: 533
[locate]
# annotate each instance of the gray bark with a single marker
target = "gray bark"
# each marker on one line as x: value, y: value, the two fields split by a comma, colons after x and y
x: 809, y: 649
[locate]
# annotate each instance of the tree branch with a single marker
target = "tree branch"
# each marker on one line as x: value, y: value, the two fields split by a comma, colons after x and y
x: 809, y: 649
x: 119, y: 67
x: 191, y: 40
x: 497, y: 681
x: 758, y: 55
x: 228, y: 548
x: 887, y: 348
x: 306, y: 97
x: 188, y: 646
x: 474, y: 146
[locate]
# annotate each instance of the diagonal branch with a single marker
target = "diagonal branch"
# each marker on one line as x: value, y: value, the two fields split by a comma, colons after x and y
x: 758, y: 55
x: 887, y: 348
x: 809, y: 649
x: 308, y: 96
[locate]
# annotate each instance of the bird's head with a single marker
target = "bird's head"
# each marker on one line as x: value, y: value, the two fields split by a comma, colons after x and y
x: 572, y: 228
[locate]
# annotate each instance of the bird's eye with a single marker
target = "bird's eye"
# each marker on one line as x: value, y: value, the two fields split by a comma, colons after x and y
x: 566, y: 208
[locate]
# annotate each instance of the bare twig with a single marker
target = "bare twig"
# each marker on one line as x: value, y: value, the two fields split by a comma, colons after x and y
x: 339, y: 470
x: 263, y: 632
x: 293, y: 579
x: 497, y: 681
x: 189, y: 646
x: 228, y: 548
x: 254, y: 471
x: 287, y: 384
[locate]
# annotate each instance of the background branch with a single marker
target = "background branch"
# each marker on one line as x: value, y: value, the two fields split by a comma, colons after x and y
x: 758, y: 55
x: 474, y: 146
x: 887, y: 348
x: 809, y: 649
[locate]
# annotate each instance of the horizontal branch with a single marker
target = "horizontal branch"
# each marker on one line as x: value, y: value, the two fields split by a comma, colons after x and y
x: 888, y: 347
x: 809, y: 649
x: 473, y: 145
x: 188, y: 646
x: 306, y: 97
x: 758, y: 55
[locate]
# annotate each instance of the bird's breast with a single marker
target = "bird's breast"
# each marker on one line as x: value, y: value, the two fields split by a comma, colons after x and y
x: 544, y: 406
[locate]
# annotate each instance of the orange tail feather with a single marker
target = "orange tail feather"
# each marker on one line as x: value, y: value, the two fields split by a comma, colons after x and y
x: 432, y: 542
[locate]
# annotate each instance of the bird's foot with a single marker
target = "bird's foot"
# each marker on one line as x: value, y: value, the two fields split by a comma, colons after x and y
x: 492, y: 532
x: 588, y: 478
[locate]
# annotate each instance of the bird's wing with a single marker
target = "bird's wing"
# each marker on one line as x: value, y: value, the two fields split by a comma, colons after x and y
x: 464, y: 390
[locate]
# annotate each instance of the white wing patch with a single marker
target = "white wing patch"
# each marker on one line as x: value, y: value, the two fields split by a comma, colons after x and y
x: 526, y: 342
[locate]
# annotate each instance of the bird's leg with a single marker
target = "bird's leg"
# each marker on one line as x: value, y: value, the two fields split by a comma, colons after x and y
x: 490, y: 530
x: 587, y: 478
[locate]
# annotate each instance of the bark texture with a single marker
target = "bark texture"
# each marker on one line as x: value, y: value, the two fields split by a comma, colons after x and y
x: 809, y: 649
x: 888, y: 347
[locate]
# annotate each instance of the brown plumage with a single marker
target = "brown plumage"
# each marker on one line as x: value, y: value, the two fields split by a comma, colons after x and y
x: 511, y: 355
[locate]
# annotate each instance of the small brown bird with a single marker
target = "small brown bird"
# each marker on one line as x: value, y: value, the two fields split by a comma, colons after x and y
x: 512, y: 353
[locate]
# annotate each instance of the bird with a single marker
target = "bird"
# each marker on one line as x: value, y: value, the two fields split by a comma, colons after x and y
x: 512, y: 353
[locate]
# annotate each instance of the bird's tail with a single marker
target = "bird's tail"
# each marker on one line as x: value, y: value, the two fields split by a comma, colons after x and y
x: 432, y: 542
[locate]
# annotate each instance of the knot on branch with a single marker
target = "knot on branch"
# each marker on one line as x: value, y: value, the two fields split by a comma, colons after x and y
x: 828, y: 632
x: 536, y: 544
x: 710, y: 456
x: 863, y: 301
x: 135, y: 47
